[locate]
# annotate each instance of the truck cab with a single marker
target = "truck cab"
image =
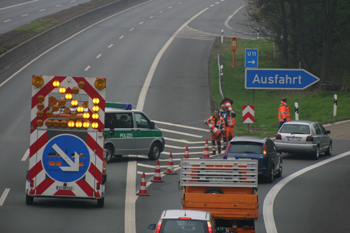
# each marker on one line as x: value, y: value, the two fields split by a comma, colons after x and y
x: 130, y: 131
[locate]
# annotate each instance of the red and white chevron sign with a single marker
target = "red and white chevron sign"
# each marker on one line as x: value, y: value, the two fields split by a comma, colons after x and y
x: 248, y: 114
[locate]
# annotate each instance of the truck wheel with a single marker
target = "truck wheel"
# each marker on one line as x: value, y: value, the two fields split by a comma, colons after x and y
x: 109, y: 153
x: 29, y: 200
x: 100, y: 202
x: 329, y: 150
x: 214, y: 191
x: 154, y: 153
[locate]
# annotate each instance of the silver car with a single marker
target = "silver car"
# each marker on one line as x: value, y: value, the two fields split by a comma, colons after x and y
x: 304, y: 137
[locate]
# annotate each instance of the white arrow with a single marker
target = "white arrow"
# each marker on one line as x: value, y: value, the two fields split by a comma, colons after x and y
x: 73, y: 167
x: 253, y: 62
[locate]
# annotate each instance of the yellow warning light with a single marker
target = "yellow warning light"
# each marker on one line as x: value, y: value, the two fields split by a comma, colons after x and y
x: 55, y: 108
x: 40, y: 98
x: 78, y: 124
x: 49, y: 113
x: 62, y: 102
x: 95, y: 108
x: 52, y: 101
x: 75, y: 90
x: 56, y: 83
x: 48, y: 123
x: 86, y: 124
x: 95, y: 100
x: 73, y: 116
x: 67, y: 110
x: 80, y: 109
x: 39, y: 123
x: 68, y: 96
x: 81, y: 84
x: 100, y: 83
x: 40, y: 114
x: 37, y: 81
x: 85, y: 104
x: 95, y: 116
x: 74, y: 102
x: 86, y: 115
x: 64, y: 123
x: 94, y: 125
x: 56, y: 123
x: 71, y: 124
x: 40, y: 106
x: 62, y: 90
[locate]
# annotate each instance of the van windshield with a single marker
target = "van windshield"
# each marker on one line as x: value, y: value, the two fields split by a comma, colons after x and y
x: 183, y: 226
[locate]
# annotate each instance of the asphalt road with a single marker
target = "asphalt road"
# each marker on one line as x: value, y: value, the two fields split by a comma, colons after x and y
x: 145, y: 43
x: 16, y: 13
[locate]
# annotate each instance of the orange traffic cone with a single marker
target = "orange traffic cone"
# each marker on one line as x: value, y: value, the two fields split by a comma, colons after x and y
x: 215, y: 130
x: 186, y: 156
x: 157, y: 177
x: 143, y: 190
x: 170, y: 169
x: 228, y: 102
x: 206, y: 151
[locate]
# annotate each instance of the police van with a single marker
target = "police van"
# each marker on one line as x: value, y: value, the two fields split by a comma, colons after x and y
x: 130, y: 131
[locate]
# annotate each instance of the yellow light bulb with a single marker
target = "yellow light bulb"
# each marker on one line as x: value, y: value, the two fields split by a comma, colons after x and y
x: 68, y: 96
x: 78, y: 124
x: 56, y: 83
x: 94, y: 125
x: 86, y: 115
x: 86, y: 124
x: 95, y: 108
x: 95, y: 100
x: 95, y: 116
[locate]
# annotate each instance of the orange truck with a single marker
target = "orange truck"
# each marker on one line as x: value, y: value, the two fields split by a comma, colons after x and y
x: 226, y: 188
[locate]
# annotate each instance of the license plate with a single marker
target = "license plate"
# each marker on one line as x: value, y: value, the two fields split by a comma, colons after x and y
x: 64, y: 187
x: 293, y: 138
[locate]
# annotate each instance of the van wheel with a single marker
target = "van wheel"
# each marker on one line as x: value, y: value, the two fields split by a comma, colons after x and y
x: 109, y: 153
x: 154, y: 153
x: 214, y: 191
x: 100, y: 202
x: 29, y: 200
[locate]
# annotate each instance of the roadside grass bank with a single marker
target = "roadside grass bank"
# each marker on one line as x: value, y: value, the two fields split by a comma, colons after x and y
x: 315, y: 103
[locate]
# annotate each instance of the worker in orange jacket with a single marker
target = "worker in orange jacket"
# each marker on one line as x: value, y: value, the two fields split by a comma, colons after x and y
x: 283, y: 112
x: 217, y: 121
x: 230, y: 122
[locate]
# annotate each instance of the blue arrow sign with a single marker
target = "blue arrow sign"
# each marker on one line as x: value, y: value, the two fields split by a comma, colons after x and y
x: 297, y: 79
x: 251, y: 58
x: 66, y: 158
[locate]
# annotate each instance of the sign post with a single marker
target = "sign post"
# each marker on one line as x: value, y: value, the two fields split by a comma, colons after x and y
x: 233, y: 47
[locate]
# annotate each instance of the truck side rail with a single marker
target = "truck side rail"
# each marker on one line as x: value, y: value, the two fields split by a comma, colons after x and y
x: 219, y: 173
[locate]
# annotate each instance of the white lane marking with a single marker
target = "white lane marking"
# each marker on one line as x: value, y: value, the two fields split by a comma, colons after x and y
x: 230, y: 17
x: 8, y: 20
x: 121, y: 37
x: 269, y: 220
x: 72, y: 1
x: 182, y: 126
x: 110, y: 46
x: 182, y: 133
x: 42, y: 10
x: 4, y: 195
x: 217, y: 3
x: 170, y: 7
x: 144, y: 90
x: 179, y: 3
x: 25, y: 156
x: 182, y: 153
x: 211, y: 5
x: 160, y: 12
x: 131, y: 29
x: 151, y: 17
x: 153, y: 166
x: 87, y: 68
x: 58, y: 5
x: 98, y: 56
x: 183, y: 141
x: 130, y: 197
x: 24, y: 15
x: 141, y: 23
x: 184, y: 147
x: 21, y: 4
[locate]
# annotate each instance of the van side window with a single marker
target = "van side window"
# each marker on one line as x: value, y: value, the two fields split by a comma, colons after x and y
x: 124, y: 120
x: 110, y: 121
x: 142, y: 121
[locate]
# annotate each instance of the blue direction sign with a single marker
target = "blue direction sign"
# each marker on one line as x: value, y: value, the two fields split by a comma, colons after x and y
x: 251, y: 58
x: 297, y: 79
x: 66, y: 158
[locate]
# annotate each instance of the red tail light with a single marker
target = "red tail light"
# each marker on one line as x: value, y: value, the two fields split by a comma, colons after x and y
x: 309, y: 138
x: 278, y: 137
x: 98, y: 186
x: 264, y: 151
x: 210, y: 228
x: 185, y: 218
x: 158, y: 226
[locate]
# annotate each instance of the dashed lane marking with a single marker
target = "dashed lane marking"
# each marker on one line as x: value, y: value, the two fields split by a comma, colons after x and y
x: 182, y: 133
x: 183, y: 141
x: 3, y: 196
x: 183, y: 147
x: 182, y: 126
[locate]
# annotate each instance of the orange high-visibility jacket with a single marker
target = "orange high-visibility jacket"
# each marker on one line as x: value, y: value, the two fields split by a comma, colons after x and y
x: 217, y: 122
x: 283, y: 112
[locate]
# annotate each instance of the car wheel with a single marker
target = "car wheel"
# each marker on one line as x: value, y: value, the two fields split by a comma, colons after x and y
x: 100, y: 202
x: 154, y: 153
x: 279, y: 175
x: 316, y: 153
x: 329, y: 150
x: 29, y: 200
x: 109, y: 154
x: 214, y: 191
x: 269, y: 178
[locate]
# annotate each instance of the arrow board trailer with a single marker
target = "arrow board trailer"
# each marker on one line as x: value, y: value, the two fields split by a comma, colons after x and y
x: 66, y: 138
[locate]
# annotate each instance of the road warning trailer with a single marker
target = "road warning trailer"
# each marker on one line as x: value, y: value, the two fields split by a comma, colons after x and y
x: 226, y: 188
x: 66, y: 156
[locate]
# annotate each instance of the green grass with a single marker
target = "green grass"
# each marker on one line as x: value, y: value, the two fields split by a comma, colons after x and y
x: 38, y: 25
x: 315, y: 104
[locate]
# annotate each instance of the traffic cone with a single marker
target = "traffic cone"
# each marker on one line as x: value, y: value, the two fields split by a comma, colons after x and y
x: 143, y: 190
x: 170, y: 169
x: 228, y: 102
x: 157, y: 177
x: 215, y: 130
x: 186, y: 156
x: 206, y: 151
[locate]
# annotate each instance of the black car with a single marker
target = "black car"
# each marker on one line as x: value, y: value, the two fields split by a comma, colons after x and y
x: 263, y: 149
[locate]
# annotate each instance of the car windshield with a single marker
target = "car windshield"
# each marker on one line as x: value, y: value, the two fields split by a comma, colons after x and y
x: 295, y: 129
x: 183, y: 226
x: 246, y: 147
